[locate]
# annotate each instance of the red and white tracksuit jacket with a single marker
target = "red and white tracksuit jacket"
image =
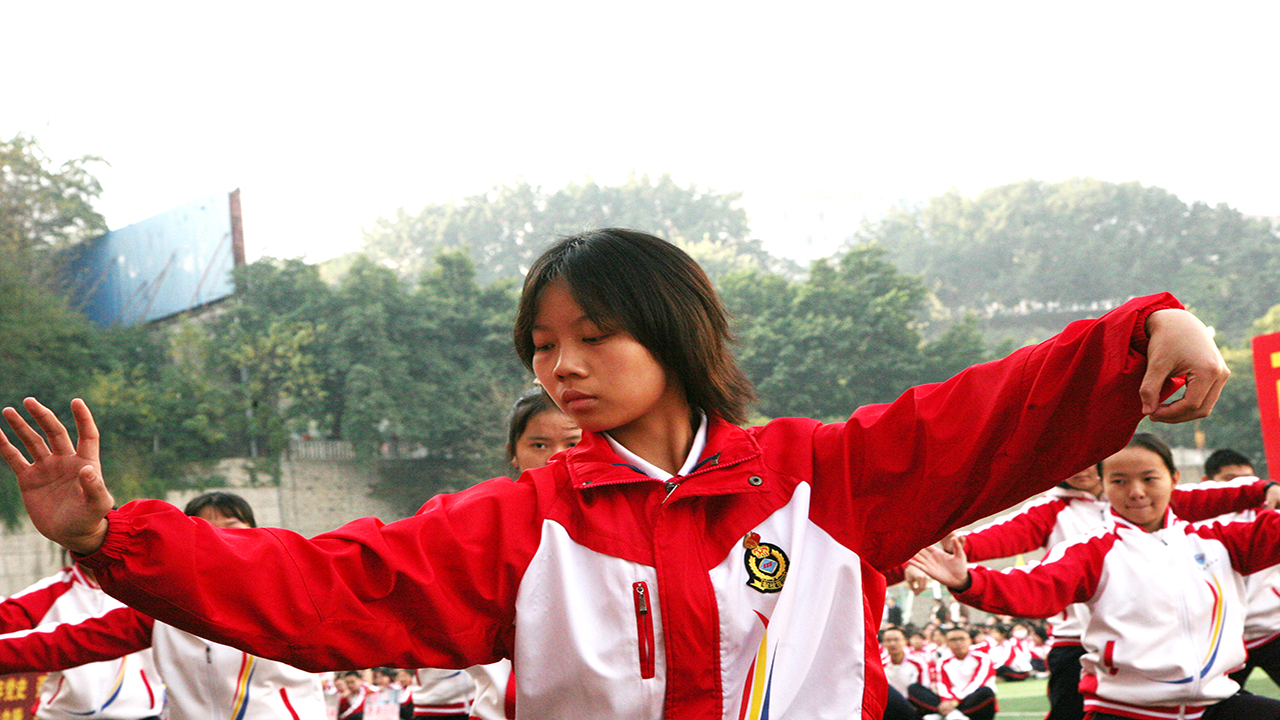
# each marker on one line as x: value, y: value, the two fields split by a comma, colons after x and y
x: 495, y: 691
x: 122, y: 687
x: 1262, y: 593
x: 747, y: 584
x: 350, y: 705
x: 1166, y: 608
x: 1064, y: 514
x: 439, y: 692
x: 960, y: 678
x: 204, y: 679
x: 1008, y: 652
x: 904, y: 674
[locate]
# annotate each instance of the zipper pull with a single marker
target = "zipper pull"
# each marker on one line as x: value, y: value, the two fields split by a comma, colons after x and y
x: 671, y: 487
x: 208, y: 654
x: 642, y: 603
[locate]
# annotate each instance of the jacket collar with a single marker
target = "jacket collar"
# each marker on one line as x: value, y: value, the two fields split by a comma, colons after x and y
x: 690, y: 463
x: 1166, y: 523
x: 593, y: 462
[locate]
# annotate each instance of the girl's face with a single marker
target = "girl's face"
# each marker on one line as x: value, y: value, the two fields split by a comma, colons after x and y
x: 602, y: 378
x: 1138, y: 486
x: 546, y: 434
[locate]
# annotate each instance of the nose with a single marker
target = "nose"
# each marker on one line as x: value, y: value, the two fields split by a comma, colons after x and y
x: 569, y: 361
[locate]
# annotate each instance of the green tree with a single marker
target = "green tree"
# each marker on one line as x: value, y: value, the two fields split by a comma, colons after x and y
x: 845, y: 337
x: 264, y: 347
x: 1041, y: 250
x: 44, y: 210
x: 505, y: 229
x: 49, y: 350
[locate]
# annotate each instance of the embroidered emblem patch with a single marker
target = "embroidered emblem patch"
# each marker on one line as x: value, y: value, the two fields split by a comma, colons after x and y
x: 766, y: 564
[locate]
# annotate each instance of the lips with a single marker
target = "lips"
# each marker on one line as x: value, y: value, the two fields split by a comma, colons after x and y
x: 576, y: 401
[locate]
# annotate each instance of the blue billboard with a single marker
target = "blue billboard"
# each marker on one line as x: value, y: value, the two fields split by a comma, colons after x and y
x: 176, y: 261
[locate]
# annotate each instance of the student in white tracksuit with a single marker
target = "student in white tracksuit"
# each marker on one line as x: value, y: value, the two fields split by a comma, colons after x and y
x: 1166, y: 598
x: 122, y: 687
x: 1262, y: 619
x: 205, y: 679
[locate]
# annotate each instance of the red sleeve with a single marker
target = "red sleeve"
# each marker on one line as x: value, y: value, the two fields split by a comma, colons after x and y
x: 1023, y: 531
x: 58, y: 646
x: 1206, y: 500
x: 434, y: 590
x: 1068, y: 574
x: 1253, y: 544
x: 897, y: 477
x: 895, y: 574
x: 25, y: 610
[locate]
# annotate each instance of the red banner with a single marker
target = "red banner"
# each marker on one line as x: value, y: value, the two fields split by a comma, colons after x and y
x: 1266, y: 372
x: 18, y: 695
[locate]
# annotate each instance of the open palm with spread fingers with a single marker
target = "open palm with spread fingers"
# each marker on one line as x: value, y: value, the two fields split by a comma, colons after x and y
x: 61, y: 484
x: 945, y: 562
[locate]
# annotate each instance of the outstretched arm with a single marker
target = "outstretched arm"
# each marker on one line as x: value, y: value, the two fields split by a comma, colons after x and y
x: 1068, y: 574
x: 61, y: 484
x: 58, y: 646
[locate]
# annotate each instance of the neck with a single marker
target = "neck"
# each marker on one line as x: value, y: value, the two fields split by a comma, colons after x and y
x: 664, y: 440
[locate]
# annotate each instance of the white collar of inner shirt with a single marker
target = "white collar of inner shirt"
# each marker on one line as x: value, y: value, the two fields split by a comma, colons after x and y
x: 655, y: 472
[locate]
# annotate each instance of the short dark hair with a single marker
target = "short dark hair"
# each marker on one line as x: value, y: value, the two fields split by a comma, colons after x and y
x: 653, y: 290
x: 1150, y: 442
x: 960, y: 628
x: 893, y: 628
x: 531, y: 404
x: 1221, y: 458
x: 229, y: 504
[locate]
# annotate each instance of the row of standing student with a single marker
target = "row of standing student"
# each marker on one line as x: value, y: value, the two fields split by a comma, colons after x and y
x: 1148, y: 610
x: 110, y: 662
x: 674, y: 563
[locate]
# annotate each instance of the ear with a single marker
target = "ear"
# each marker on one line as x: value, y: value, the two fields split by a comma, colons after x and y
x: 1177, y: 476
x: 515, y: 463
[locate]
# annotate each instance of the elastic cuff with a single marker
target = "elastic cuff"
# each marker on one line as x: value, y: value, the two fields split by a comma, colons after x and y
x: 1140, y: 338
x: 113, y: 544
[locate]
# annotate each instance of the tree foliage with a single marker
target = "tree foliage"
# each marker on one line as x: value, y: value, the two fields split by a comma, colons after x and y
x: 845, y: 337
x: 1035, y: 247
x: 44, y: 209
x: 505, y: 229
x: 48, y: 350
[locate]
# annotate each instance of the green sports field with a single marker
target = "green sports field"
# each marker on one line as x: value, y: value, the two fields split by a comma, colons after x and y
x: 1026, y: 699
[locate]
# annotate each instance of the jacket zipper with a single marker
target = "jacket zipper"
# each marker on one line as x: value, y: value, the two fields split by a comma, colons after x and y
x: 644, y: 629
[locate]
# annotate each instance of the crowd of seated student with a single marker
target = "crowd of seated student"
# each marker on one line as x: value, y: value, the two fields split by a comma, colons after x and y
x: 946, y: 670
x: 390, y: 693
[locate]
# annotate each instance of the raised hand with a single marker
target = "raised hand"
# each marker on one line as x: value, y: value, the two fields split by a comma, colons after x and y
x: 1180, y: 345
x: 945, y: 562
x: 62, y: 484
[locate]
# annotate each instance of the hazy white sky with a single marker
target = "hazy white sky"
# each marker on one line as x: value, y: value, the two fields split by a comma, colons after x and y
x: 329, y: 116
